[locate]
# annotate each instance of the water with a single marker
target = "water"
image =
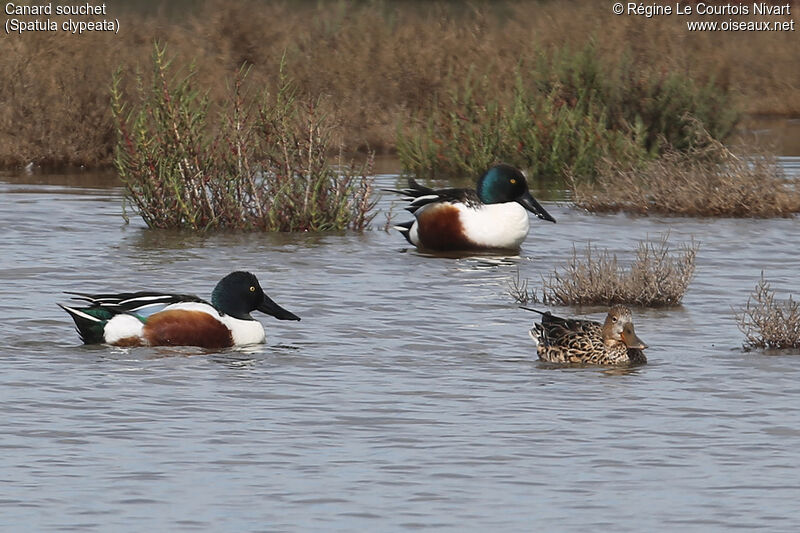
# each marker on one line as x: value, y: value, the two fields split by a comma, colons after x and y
x: 408, y: 397
x: 781, y: 135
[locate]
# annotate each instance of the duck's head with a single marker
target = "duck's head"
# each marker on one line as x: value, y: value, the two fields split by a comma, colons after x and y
x: 618, y: 328
x: 239, y: 293
x: 503, y: 183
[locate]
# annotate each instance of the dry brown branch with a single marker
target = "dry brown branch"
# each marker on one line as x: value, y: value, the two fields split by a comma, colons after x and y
x: 767, y: 323
x: 709, y: 180
x: 657, y: 277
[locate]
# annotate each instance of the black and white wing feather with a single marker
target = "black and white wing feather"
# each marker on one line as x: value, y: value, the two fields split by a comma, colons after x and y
x: 419, y: 196
x: 143, y: 303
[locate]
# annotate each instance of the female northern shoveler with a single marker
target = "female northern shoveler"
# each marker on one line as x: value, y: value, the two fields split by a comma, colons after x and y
x: 492, y: 216
x: 561, y: 340
x: 159, y: 319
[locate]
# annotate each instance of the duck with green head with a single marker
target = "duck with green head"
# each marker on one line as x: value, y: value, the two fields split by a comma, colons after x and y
x: 493, y: 216
x: 148, y: 318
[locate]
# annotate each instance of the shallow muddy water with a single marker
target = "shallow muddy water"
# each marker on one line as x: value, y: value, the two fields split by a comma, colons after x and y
x: 408, y: 397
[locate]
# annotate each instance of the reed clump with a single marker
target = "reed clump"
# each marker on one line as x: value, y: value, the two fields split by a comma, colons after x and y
x: 768, y: 323
x: 261, y: 168
x: 706, y: 180
x: 658, y: 277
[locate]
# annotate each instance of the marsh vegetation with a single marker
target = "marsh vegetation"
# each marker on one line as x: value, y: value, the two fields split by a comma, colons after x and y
x: 262, y: 167
x: 379, y: 66
x: 659, y: 276
x: 768, y: 322
x: 708, y: 179
x: 564, y: 113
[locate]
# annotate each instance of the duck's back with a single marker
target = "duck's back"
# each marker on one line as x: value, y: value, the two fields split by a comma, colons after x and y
x: 569, y: 340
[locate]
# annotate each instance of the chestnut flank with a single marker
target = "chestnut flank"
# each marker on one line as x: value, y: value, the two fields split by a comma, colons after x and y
x: 181, y: 327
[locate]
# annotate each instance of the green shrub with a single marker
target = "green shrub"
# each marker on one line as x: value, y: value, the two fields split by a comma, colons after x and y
x: 261, y: 168
x: 465, y: 135
x: 564, y: 115
x: 658, y: 106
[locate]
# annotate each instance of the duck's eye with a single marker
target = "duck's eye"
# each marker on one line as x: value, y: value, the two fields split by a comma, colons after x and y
x: 253, y: 289
x: 513, y: 181
x: 613, y: 319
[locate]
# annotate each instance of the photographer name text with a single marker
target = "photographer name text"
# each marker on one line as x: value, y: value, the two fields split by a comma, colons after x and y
x: 700, y: 8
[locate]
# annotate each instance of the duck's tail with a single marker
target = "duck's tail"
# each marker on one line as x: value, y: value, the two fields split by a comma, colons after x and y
x: 543, y: 313
x: 405, y: 229
x: 90, y: 323
x: 418, y: 195
x: 414, y: 190
x: 547, y: 316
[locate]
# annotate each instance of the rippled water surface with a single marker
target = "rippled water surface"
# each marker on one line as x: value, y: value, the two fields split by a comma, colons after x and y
x: 408, y: 397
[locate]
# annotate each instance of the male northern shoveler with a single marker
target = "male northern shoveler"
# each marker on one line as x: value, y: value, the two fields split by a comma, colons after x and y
x: 158, y: 319
x: 492, y: 216
x: 562, y: 340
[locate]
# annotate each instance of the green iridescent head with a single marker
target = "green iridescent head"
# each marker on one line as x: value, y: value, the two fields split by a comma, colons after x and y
x: 503, y: 183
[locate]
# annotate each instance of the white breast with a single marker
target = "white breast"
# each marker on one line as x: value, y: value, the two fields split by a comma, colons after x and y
x: 244, y: 332
x: 495, y: 225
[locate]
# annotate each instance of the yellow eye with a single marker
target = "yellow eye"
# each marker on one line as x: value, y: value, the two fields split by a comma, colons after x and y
x: 513, y: 180
x: 252, y: 289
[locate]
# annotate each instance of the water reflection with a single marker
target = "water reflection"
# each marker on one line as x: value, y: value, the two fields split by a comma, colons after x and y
x: 235, y: 361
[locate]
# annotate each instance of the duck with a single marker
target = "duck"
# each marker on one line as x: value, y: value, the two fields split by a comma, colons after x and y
x: 148, y: 318
x: 571, y: 340
x: 493, y: 216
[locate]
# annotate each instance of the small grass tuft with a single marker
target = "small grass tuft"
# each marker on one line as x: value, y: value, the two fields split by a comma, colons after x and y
x: 656, y: 278
x: 767, y: 323
x: 519, y: 290
x: 263, y: 168
x: 707, y: 180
